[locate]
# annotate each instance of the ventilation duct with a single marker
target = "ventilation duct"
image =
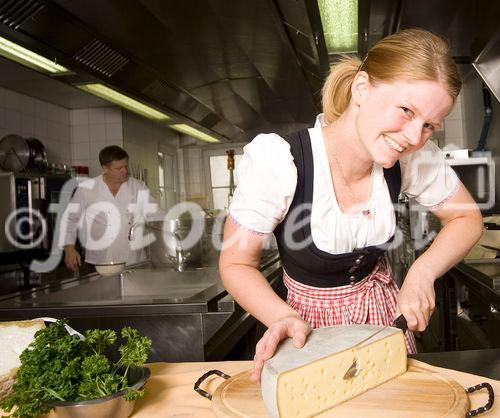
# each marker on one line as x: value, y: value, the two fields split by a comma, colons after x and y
x: 487, y: 65
x: 14, y: 13
x: 101, y: 58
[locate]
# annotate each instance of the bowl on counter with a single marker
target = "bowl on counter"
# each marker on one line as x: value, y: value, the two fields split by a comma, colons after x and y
x: 110, y: 269
x: 115, y: 405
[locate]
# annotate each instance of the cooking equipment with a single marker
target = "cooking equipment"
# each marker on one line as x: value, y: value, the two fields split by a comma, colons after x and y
x: 421, y: 392
x: 32, y: 225
x: 19, y: 154
x: 111, y: 269
x: 14, y: 153
x: 38, y: 156
x: 110, y: 406
x: 168, y: 247
x: 486, y: 64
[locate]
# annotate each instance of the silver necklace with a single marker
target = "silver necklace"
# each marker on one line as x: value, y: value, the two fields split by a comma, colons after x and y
x: 365, y: 212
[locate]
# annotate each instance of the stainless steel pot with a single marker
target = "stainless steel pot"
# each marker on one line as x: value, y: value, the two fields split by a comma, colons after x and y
x: 19, y: 154
x: 14, y: 153
x: 38, y: 156
x: 111, y: 406
x: 168, y: 245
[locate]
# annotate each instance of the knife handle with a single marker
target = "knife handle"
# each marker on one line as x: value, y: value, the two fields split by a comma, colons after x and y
x: 400, y: 322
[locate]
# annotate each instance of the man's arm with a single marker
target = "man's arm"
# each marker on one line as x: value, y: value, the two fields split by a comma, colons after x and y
x: 69, y: 228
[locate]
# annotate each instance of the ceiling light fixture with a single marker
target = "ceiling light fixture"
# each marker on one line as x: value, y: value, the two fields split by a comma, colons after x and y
x: 106, y: 93
x: 188, y: 130
x: 339, y: 19
x: 17, y: 53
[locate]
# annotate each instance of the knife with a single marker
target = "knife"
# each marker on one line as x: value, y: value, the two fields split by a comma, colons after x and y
x: 353, y: 370
x: 400, y: 322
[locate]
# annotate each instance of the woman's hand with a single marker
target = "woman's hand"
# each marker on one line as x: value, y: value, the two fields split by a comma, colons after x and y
x: 290, y: 326
x: 416, y: 300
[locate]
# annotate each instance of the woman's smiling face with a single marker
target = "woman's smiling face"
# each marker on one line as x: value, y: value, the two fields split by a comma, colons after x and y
x: 398, y: 118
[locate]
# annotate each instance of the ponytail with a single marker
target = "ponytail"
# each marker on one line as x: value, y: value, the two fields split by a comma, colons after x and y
x: 413, y: 54
x: 336, y: 92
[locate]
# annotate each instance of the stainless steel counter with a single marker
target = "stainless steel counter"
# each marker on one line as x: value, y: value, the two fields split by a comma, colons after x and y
x: 473, y: 304
x: 481, y: 362
x: 489, y: 270
x: 166, y: 290
x: 188, y: 315
x: 159, y: 289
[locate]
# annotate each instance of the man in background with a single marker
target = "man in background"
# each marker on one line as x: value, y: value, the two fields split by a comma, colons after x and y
x: 104, y: 210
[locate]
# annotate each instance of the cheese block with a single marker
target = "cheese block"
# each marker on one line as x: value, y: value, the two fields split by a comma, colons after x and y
x: 307, y: 381
x: 15, y: 336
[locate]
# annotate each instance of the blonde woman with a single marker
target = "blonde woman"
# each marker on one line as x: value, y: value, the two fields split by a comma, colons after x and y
x: 328, y: 194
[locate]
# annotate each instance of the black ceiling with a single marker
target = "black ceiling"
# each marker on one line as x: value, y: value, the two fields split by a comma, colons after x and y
x: 235, y: 67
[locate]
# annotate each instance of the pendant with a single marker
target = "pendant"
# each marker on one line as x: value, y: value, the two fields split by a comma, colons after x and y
x: 366, y: 212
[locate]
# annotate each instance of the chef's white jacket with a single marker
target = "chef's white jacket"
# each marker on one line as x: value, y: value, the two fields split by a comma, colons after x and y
x: 102, y: 221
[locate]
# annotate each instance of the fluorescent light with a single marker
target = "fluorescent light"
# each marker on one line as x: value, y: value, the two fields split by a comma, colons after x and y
x: 188, y: 130
x: 339, y: 19
x: 120, y: 99
x: 28, y: 58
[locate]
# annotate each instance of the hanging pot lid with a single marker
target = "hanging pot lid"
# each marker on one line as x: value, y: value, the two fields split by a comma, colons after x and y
x: 38, y: 158
x: 14, y: 153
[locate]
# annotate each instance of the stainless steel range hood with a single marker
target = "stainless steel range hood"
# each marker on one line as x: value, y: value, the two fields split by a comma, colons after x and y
x: 487, y: 65
x: 235, y: 68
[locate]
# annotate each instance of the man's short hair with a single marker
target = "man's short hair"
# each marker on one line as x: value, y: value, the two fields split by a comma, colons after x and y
x: 112, y: 153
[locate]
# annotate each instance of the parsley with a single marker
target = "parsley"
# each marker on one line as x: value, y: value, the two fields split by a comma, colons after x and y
x: 59, y: 367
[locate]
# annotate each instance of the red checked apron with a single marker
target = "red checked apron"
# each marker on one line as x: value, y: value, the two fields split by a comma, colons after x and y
x: 333, y: 289
x: 370, y: 301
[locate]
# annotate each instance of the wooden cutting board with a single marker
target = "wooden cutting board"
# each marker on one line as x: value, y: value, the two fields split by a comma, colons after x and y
x: 420, y: 392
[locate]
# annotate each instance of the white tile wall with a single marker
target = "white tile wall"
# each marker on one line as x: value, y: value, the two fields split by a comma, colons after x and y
x: 98, y: 132
x: 113, y: 115
x: 142, y: 139
x: 114, y: 131
x: 28, y: 117
x: 96, y: 116
x: 181, y: 174
x: 474, y: 111
x: 454, y: 126
x: 91, y: 130
x: 193, y: 183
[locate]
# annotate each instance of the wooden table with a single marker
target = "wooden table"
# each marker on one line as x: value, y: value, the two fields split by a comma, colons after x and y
x: 171, y: 391
x: 171, y: 394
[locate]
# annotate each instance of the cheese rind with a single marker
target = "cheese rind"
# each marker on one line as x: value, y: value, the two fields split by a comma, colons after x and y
x: 305, y: 382
x: 15, y: 336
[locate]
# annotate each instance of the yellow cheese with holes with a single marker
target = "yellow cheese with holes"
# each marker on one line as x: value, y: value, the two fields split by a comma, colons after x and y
x: 305, y: 382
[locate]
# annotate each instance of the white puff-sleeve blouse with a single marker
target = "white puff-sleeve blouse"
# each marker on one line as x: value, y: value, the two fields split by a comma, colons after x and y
x: 268, y: 177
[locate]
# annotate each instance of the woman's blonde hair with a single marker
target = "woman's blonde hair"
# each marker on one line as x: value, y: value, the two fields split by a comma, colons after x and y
x: 412, y: 54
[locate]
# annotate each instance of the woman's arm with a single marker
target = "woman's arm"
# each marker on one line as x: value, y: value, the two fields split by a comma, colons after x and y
x: 239, y: 269
x: 462, y: 228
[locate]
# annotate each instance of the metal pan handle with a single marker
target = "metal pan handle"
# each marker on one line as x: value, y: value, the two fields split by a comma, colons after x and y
x: 202, y: 378
x: 489, y: 404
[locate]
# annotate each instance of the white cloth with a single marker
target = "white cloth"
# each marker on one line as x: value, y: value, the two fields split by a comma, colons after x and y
x: 102, y: 221
x: 268, y: 177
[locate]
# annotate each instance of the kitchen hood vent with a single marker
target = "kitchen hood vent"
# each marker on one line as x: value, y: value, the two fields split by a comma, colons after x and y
x: 161, y: 92
x: 14, y: 13
x: 487, y: 64
x: 101, y: 58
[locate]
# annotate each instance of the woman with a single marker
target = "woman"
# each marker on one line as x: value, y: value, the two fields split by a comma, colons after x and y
x: 327, y: 193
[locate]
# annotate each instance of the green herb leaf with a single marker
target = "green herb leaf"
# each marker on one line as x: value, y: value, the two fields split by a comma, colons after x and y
x: 58, y: 366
